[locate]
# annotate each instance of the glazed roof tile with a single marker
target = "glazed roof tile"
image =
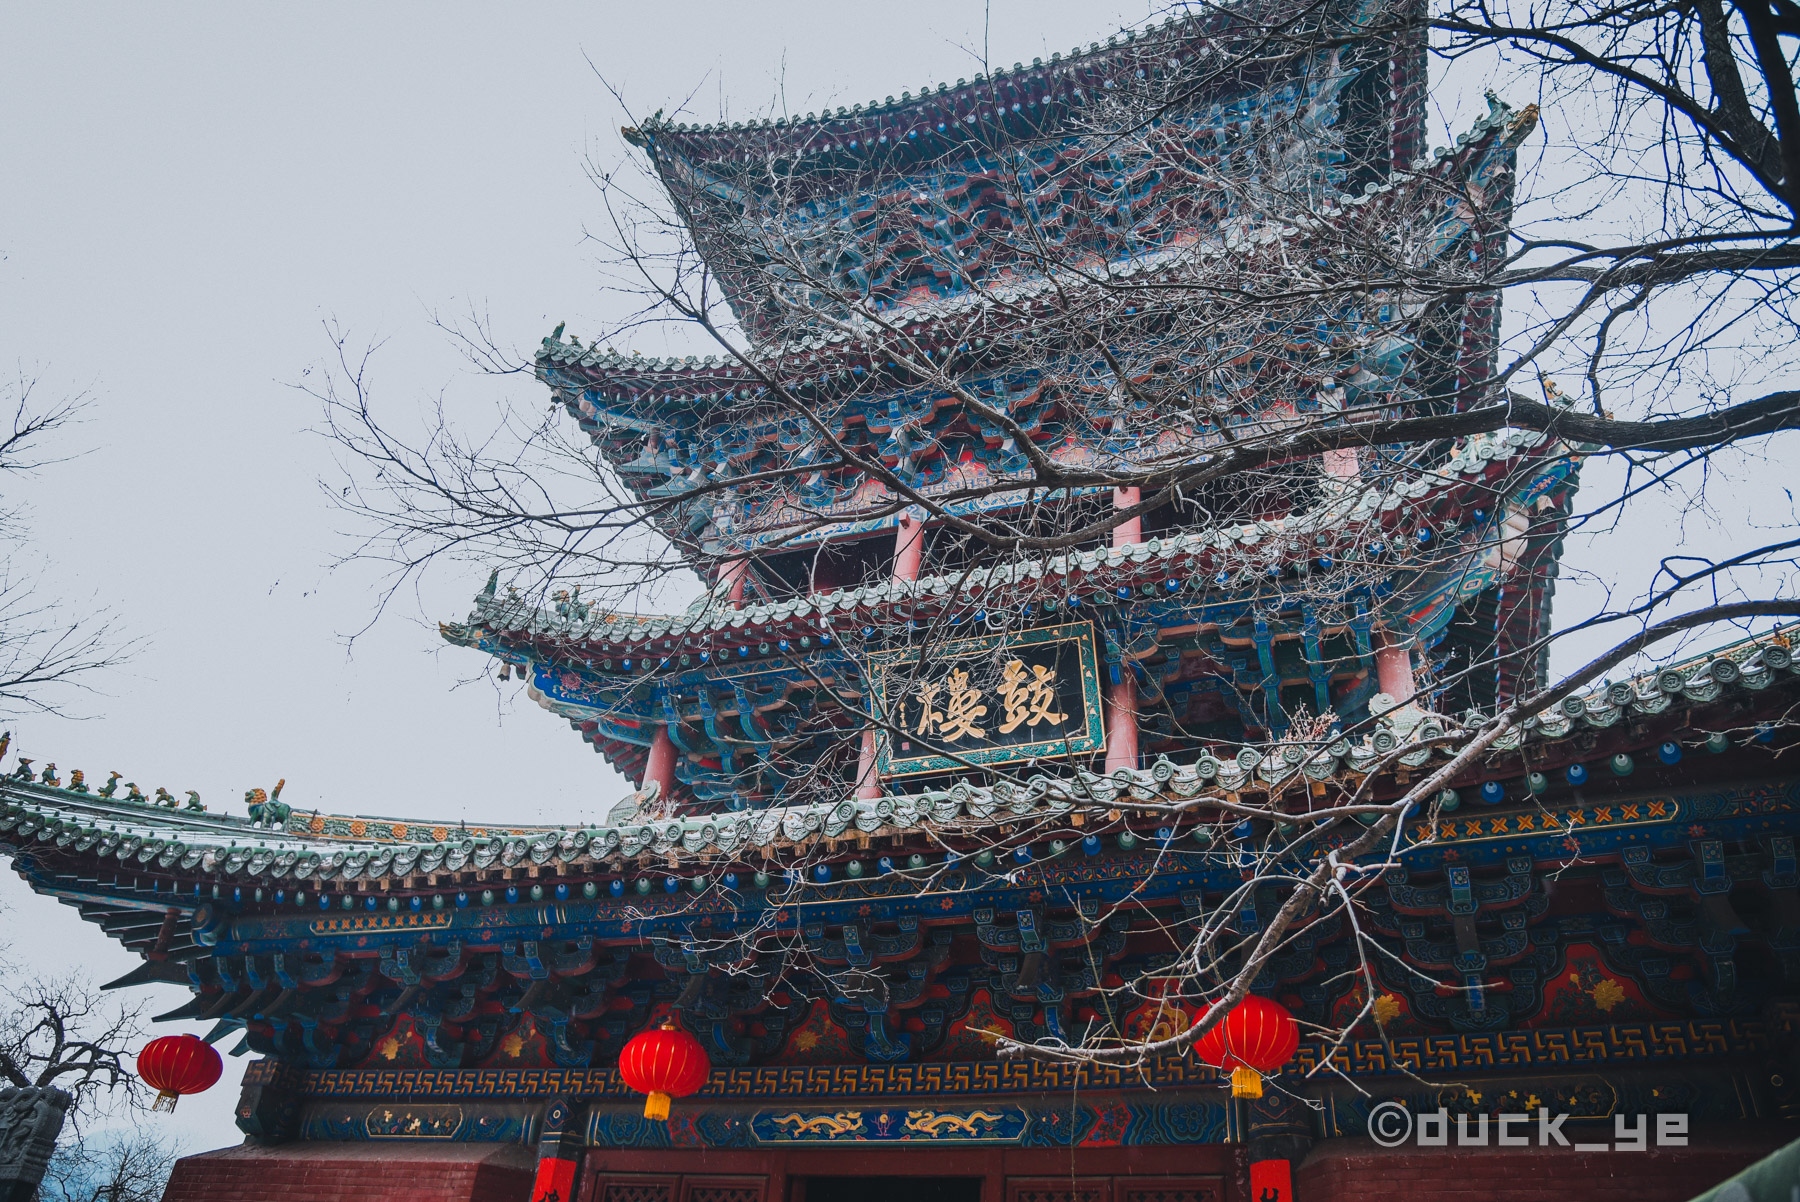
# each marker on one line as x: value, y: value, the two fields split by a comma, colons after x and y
x: 847, y: 341
x: 1043, y: 87
x: 1346, y: 515
x: 315, y: 847
x: 1097, y: 59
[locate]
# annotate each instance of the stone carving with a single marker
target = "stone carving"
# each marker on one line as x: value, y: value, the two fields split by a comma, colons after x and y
x: 30, y: 1119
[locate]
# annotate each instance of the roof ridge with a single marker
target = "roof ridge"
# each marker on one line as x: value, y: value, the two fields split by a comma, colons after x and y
x: 1170, y: 27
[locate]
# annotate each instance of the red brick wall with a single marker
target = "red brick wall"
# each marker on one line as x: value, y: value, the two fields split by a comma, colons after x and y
x: 366, y: 1172
x: 1356, y: 1170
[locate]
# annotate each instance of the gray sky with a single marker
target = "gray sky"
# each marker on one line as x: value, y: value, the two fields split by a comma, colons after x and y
x: 190, y: 192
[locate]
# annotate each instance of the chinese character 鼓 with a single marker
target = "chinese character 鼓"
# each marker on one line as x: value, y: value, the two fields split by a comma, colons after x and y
x: 1028, y: 697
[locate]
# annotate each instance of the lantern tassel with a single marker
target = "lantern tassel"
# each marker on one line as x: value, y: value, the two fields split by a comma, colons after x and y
x: 1246, y: 1083
x: 165, y: 1101
x: 656, y: 1106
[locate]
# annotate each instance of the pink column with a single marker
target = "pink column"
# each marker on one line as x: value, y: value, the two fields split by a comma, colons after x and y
x: 909, y: 554
x: 1341, y: 464
x: 1121, y: 721
x: 1131, y: 530
x: 660, y: 767
x: 1121, y: 698
x: 1393, y: 667
x: 868, y: 785
x: 732, y: 576
x: 909, y: 547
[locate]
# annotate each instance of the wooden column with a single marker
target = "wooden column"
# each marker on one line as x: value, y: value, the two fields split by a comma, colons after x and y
x: 1121, y: 698
x: 661, y: 765
x: 1280, y: 1137
x: 868, y: 785
x: 909, y: 548
x: 1341, y: 463
x: 1121, y: 720
x: 1132, y: 529
x: 559, y: 1153
x: 993, y: 1177
x: 1393, y: 666
x: 732, y: 576
x: 909, y: 555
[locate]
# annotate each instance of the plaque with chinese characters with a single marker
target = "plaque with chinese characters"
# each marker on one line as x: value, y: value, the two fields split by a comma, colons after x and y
x: 995, y: 699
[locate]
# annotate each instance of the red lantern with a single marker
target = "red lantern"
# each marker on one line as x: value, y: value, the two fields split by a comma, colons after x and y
x: 665, y: 1063
x: 1258, y: 1036
x: 177, y: 1065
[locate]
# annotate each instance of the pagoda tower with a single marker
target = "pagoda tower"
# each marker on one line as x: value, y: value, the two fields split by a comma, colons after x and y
x: 997, y: 700
x: 888, y: 265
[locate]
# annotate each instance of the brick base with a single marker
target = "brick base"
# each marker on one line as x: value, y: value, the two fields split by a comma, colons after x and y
x: 366, y: 1172
x: 1357, y: 1170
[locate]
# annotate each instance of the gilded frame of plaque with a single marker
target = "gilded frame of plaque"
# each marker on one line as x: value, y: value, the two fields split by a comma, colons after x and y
x: 1070, y: 644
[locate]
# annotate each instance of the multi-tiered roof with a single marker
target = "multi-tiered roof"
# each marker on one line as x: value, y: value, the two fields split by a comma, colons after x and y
x: 934, y: 231
x: 1230, y: 627
x: 1568, y: 897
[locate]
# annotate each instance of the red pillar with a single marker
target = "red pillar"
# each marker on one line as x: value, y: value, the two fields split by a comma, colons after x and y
x: 868, y: 785
x: 1271, y: 1181
x: 909, y: 547
x: 1341, y: 463
x: 556, y: 1179
x: 909, y: 554
x: 1121, y: 720
x: 661, y: 765
x: 1393, y: 667
x: 1121, y: 698
x: 732, y: 577
x: 1132, y: 529
x: 559, y: 1153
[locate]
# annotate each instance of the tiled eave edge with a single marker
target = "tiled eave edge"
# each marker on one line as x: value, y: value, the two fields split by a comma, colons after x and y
x: 1002, y: 103
x: 1354, y: 516
x: 32, y: 814
x: 1087, y: 67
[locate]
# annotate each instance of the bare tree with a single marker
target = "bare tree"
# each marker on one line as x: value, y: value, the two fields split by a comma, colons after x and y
x: 45, y: 653
x: 1240, y: 331
x: 126, y: 1166
x: 62, y: 1032
x: 55, y: 1033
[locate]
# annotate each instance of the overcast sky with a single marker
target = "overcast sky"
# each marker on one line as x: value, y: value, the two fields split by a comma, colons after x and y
x: 190, y: 192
